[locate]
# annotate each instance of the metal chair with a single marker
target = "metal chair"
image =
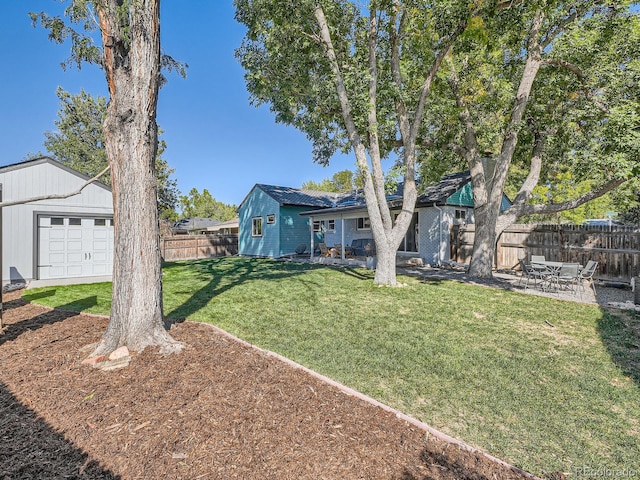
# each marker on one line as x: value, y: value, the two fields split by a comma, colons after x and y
x: 537, y: 272
x: 586, y: 275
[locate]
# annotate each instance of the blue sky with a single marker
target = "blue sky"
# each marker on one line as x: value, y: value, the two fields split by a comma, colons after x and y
x: 215, y: 138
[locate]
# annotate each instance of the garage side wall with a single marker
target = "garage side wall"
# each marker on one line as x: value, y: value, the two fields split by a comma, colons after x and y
x: 19, y: 228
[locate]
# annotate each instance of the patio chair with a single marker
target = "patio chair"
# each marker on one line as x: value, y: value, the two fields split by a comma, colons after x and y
x: 566, y: 277
x: 300, y: 249
x: 538, y: 259
x: 535, y: 272
x: 586, y: 275
x: 324, y: 251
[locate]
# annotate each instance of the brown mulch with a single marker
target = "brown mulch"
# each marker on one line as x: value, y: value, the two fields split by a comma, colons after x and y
x: 218, y: 410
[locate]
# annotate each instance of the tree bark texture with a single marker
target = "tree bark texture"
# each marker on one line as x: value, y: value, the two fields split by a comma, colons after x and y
x: 132, y: 64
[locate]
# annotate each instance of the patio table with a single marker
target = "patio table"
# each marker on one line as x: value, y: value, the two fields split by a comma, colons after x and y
x: 554, y: 269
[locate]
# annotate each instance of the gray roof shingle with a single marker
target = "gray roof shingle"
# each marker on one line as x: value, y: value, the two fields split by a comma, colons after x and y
x: 303, y: 198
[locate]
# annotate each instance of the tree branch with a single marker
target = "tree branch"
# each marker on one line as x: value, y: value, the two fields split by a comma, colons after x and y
x: 579, y: 73
x: 55, y: 196
x: 426, y: 86
x: 569, y: 204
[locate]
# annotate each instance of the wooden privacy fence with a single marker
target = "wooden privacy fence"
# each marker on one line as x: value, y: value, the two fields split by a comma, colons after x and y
x: 616, y: 249
x: 193, y: 247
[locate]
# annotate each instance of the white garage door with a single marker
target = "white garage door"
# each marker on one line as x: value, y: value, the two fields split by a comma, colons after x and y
x: 74, y: 246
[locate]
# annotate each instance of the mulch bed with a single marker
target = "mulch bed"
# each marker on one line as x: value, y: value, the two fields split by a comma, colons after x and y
x: 217, y: 410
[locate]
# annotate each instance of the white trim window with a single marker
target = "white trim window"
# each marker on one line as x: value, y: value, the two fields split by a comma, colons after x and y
x: 329, y: 225
x: 271, y: 219
x: 256, y: 227
x: 317, y: 226
x: 363, y: 223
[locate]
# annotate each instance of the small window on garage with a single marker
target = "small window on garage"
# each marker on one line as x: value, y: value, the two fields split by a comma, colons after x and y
x: 57, y: 221
x: 271, y: 219
x: 100, y: 222
x: 111, y: 222
x: 75, y: 222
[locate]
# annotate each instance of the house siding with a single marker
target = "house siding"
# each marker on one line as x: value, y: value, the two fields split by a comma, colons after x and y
x: 259, y: 204
x: 463, y: 197
x: 19, y: 222
x: 294, y: 229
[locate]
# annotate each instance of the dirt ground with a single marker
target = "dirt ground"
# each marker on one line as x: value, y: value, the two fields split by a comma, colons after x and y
x: 218, y: 410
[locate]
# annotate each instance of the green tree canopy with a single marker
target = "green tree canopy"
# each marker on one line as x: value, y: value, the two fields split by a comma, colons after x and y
x: 79, y: 143
x: 203, y: 205
x: 342, y: 181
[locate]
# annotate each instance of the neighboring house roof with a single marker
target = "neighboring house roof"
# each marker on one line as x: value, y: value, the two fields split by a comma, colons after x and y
x: 302, y: 198
x: 233, y: 223
x: 49, y: 160
x: 188, y: 224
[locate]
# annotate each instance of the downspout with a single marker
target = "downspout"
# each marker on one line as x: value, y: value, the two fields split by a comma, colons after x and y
x: 439, y: 233
x: 342, y: 236
x: 311, y: 231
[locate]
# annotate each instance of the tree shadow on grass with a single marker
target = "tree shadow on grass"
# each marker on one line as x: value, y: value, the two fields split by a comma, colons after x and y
x: 33, y: 449
x: 20, y: 301
x: 620, y: 333
x: 14, y: 330
x: 222, y: 275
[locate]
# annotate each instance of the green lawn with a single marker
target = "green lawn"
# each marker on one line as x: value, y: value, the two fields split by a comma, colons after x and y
x: 480, y: 364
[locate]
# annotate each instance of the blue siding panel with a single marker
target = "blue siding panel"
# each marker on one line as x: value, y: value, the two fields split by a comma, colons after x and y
x: 294, y: 229
x: 259, y: 204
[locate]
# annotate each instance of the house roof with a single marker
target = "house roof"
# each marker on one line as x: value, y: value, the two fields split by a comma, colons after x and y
x: 441, y: 191
x: 51, y: 161
x: 302, y: 198
x: 437, y: 193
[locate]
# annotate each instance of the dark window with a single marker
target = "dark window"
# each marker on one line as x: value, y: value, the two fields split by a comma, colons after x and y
x: 100, y: 222
x: 57, y: 221
x: 364, y: 223
x: 75, y: 221
x: 271, y: 219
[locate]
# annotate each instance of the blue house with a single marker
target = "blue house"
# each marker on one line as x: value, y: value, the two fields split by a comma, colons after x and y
x: 274, y: 220
x: 270, y: 224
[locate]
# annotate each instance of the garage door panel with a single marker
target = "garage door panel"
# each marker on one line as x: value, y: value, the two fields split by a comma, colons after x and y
x: 56, y: 257
x: 74, y: 270
x: 100, y: 270
x: 74, y: 257
x: 56, y: 272
x: 56, y: 246
x: 100, y: 256
x: 74, y: 246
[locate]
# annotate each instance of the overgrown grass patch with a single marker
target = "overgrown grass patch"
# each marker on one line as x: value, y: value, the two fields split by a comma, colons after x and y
x: 545, y: 384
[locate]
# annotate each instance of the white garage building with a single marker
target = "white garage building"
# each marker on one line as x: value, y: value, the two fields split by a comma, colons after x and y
x: 55, y: 238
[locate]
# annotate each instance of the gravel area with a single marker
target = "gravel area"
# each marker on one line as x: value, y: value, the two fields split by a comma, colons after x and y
x: 606, y: 295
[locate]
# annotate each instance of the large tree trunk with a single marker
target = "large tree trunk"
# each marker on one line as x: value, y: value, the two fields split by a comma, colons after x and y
x: 484, y: 244
x: 130, y: 131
